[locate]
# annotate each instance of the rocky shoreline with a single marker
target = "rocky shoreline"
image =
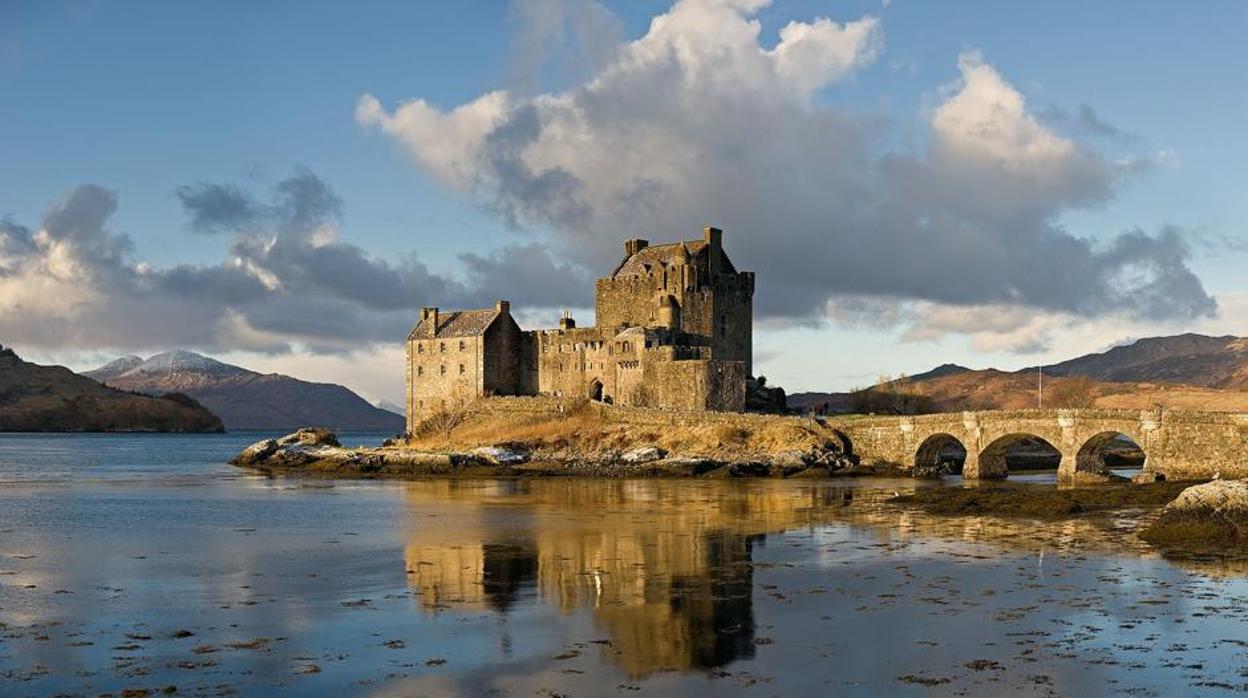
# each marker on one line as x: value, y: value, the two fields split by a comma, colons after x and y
x: 312, y: 452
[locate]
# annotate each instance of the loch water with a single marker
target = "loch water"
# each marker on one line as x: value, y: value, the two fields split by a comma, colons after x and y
x: 144, y: 562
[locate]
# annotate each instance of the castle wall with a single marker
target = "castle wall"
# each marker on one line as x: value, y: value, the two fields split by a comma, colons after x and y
x: 443, y: 372
x: 674, y: 331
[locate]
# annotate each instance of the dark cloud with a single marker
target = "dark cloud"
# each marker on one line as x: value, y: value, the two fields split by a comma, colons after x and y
x: 286, y: 279
x: 217, y: 208
x: 1084, y: 120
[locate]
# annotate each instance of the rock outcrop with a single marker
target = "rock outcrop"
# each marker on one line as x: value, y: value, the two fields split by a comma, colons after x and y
x: 317, y: 452
x: 1215, y: 513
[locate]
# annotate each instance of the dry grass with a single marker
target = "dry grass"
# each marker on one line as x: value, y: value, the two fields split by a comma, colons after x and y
x: 587, y: 430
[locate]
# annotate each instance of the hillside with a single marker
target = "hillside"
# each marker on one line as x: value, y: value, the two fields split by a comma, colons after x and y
x: 246, y: 399
x: 1182, y: 372
x: 53, y: 398
x: 1190, y: 359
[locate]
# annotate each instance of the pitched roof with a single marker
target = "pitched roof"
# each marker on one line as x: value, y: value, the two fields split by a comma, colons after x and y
x: 461, y: 323
x: 654, y: 256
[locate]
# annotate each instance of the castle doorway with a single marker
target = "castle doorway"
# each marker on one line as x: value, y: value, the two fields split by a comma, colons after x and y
x: 595, y: 390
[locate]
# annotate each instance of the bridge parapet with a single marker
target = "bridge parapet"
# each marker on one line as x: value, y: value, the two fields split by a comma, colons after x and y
x: 1176, y: 443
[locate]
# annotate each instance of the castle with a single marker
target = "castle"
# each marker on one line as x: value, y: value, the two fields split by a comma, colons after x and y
x: 674, y: 331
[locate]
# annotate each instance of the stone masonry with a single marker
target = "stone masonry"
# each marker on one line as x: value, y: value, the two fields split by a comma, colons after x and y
x: 673, y: 331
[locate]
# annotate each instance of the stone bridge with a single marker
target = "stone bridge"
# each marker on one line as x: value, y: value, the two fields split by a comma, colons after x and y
x: 1176, y: 444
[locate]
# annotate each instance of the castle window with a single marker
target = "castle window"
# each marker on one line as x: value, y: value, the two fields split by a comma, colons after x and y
x: 442, y: 347
x: 420, y: 370
x: 461, y: 346
x: 461, y: 369
x: 420, y: 348
x: 442, y: 370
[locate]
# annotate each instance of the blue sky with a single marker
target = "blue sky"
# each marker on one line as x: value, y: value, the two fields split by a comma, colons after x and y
x: 144, y: 97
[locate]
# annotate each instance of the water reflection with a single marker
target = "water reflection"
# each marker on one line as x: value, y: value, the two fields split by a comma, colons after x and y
x: 665, y: 567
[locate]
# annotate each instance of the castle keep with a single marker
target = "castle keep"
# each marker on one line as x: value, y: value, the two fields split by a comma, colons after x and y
x: 674, y: 331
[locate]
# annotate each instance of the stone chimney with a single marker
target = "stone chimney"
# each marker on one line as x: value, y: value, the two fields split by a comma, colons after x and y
x: 429, y: 321
x: 632, y: 247
x: 502, y: 307
x: 714, y: 238
x: 566, y: 322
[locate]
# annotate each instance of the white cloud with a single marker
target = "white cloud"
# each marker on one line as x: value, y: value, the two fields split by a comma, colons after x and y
x: 698, y: 122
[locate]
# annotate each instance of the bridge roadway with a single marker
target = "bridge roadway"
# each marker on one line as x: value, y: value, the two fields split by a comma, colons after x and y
x: 1176, y: 444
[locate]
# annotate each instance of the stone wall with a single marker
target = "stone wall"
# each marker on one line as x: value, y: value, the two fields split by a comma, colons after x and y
x: 1186, y: 445
x: 441, y: 372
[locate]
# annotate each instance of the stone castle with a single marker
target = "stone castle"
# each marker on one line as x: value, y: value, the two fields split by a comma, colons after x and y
x: 673, y: 331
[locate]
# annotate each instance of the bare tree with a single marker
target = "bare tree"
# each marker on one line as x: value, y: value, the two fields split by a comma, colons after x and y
x: 1073, y: 392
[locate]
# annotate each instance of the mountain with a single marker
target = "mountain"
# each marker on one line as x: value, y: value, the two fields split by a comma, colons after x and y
x: 388, y: 406
x: 1190, y: 359
x: 1186, y: 371
x: 246, y: 399
x: 53, y: 398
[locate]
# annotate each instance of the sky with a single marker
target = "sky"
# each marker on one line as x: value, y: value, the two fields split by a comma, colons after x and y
x: 282, y: 185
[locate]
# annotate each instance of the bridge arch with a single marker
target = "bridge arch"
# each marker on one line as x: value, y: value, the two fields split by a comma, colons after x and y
x: 1101, y: 452
x: 994, y: 459
x: 939, y: 451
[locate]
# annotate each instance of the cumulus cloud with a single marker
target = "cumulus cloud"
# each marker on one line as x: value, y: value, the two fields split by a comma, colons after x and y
x: 699, y: 122
x: 72, y: 283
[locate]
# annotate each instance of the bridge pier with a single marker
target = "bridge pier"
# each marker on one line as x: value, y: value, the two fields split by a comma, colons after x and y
x: 976, y: 468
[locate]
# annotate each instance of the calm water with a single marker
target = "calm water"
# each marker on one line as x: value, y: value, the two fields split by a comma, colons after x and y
x: 131, y: 562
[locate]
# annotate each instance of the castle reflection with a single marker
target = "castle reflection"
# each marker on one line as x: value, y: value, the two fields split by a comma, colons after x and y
x: 666, y: 567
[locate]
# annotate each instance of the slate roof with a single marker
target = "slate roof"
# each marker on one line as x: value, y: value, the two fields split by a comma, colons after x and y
x: 655, y: 256
x: 460, y: 323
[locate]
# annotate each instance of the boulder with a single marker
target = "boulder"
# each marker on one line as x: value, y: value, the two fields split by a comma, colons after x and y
x: 645, y: 454
x: 497, y: 455
x: 298, y: 448
x: 1148, y: 477
x: 1215, y: 513
x: 310, y: 436
x: 256, y: 452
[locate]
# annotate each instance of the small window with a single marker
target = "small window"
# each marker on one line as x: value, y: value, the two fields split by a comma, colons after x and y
x: 462, y: 346
x: 461, y: 369
x: 442, y: 347
x: 420, y: 370
x: 420, y: 348
x: 442, y: 370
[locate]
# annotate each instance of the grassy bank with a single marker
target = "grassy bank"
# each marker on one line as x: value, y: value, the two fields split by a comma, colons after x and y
x: 585, y: 432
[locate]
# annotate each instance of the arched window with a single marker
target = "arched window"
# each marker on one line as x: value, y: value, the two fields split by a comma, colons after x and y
x: 442, y: 347
x: 420, y: 370
x: 442, y: 370
x: 420, y: 348
x: 461, y: 369
x: 462, y: 344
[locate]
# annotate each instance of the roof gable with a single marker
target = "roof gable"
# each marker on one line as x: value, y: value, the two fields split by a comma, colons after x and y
x: 459, y: 323
x: 655, y: 256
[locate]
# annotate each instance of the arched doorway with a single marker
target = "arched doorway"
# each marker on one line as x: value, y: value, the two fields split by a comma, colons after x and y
x: 1015, y: 452
x: 1107, y: 452
x: 940, y: 453
x: 595, y: 390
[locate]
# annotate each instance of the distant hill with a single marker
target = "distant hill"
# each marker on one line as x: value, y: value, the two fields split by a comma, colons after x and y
x: 246, y: 399
x: 1187, y: 371
x: 1190, y: 359
x: 53, y: 398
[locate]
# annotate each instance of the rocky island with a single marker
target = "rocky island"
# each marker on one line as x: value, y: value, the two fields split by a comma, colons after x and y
x: 538, y: 436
